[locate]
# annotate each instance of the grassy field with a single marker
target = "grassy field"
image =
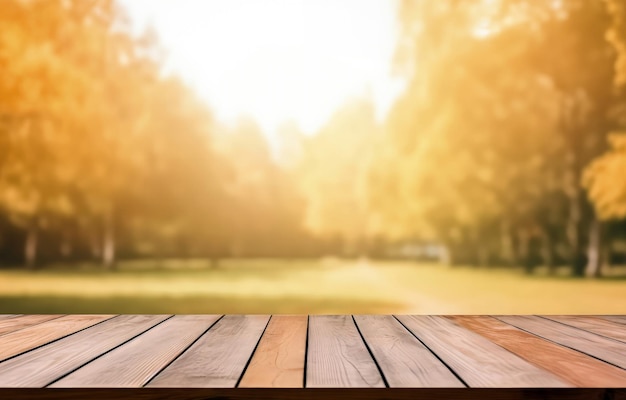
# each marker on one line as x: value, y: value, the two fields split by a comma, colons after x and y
x: 315, y: 287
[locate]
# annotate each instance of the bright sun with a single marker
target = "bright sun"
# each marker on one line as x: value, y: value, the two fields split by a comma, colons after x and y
x: 278, y: 60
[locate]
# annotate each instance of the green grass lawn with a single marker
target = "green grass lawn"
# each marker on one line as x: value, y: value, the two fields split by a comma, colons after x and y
x: 303, y: 286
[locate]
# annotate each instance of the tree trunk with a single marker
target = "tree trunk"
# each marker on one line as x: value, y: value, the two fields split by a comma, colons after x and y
x: 574, y: 234
x: 571, y: 127
x: 547, y: 252
x: 30, y: 245
x: 108, y: 242
x: 595, y: 251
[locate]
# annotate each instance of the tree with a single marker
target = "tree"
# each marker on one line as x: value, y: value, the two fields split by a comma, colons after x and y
x: 264, y: 212
x: 39, y: 84
x: 469, y: 138
x: 606, y: 185
x: 576, y: 36
x: 85, y: 111
x: 332, y: 175
x: 497, y: 124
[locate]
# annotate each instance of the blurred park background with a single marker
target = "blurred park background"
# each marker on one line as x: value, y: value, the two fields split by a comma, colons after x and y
x: 372, y: 156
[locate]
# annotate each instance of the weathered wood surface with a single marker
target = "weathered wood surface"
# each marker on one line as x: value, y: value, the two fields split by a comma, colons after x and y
x: 337, y: 355
x: 613, y: 330
x: 141, y: 358
x: 403, y: 359
x: 28, y: 338
x: 338, y: 351
x: 571, y: 365
x: 16, y: 323
x: 601, y: 347
x: 477, y: 360
x: 279, y: 359
x: 620, y: 319
x: 219, y: 357
x: 44, y: 365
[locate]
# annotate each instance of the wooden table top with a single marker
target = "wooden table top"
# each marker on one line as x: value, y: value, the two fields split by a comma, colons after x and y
x: 317, y: 351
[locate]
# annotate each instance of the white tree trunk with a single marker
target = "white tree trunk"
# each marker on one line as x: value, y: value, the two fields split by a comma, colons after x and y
x: 594, y: 251
x: 30, y: 246
x: 108, y: 242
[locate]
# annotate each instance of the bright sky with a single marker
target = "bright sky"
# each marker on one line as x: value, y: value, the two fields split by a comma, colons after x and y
x: 278, y: 60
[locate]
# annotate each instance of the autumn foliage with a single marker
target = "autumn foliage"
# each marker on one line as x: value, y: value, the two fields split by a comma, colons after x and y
x: 503, y: 148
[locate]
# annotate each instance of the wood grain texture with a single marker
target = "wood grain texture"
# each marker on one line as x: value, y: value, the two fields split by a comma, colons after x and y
x: 218, y: 358
x: 404, y: 360
x: 20, y: 322
x: 33, y: 336
x: 92, y: 352
x: 7, y: 316
x: 577, y: 368
x: 337, y: 356
x: 601, y: 347
x: 41, y: 366
x: 134, y: 363
x: 279, y: 359
x: 620, y: 319
x: 599, y: 326
x: 477, y: 360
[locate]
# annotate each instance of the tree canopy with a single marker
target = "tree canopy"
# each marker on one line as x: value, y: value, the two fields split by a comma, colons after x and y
x: 506, y: 145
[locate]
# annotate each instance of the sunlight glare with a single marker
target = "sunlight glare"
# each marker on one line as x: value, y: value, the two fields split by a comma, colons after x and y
x: 278, y: 60
x: 483, y: 30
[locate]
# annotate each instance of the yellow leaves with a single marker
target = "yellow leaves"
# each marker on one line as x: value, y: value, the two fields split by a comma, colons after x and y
x: 66, y: 123
x: 605, y: 180
x: 618, y: 141
x: 22, y: 202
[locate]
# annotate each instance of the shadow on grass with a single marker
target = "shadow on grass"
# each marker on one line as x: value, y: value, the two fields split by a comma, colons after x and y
x: 188, y: 305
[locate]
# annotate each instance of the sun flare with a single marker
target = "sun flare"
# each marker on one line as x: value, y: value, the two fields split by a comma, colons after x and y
x: 278, y: 60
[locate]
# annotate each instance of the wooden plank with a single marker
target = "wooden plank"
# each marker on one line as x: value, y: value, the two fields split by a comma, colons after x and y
x: 601, y: 347
x: 575, y: 367
x: 23, y: 321
x: 337, y: 356
x: 620, y: 319
x: 404, y: 360
x: 134, y: 363
x: 7, y: 316
x: 33, y: 336
x: 592, y: 324
x: 478, y: 361
x: 218, y: 358
x: 41, y: 366
x: 279, y: 359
